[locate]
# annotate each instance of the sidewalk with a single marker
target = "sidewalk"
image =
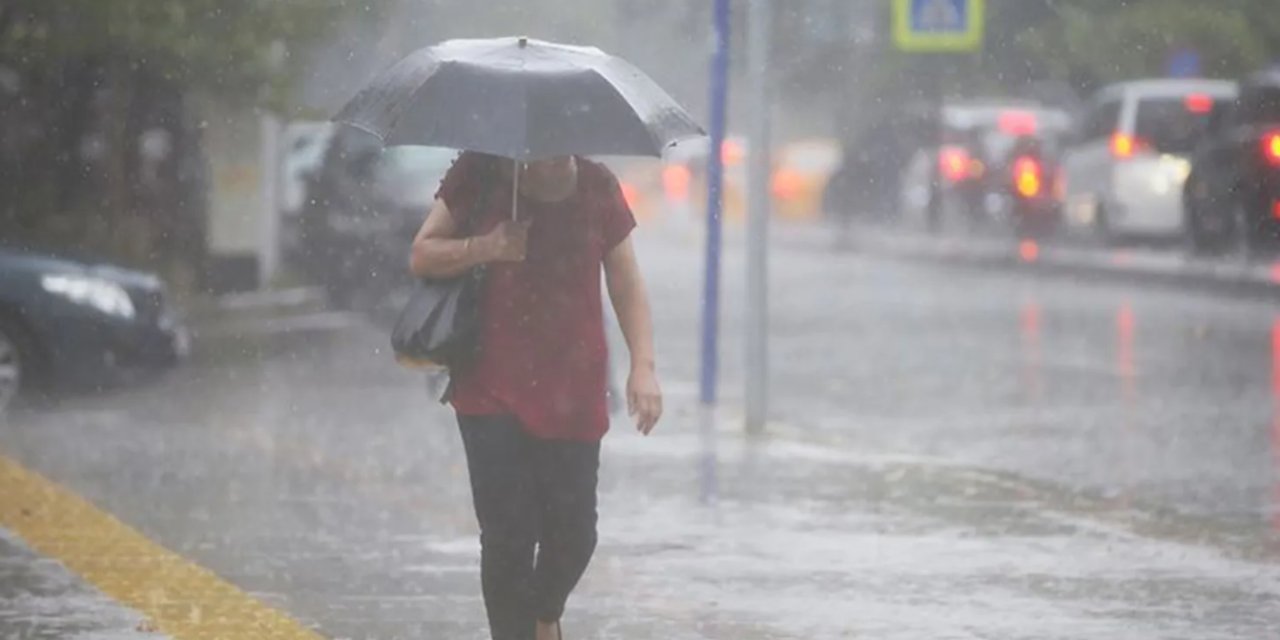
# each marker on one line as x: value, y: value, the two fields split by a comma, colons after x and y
x: 41, y: 600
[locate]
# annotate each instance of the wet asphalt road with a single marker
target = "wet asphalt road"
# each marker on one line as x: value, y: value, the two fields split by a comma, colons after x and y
x: 957, y: 453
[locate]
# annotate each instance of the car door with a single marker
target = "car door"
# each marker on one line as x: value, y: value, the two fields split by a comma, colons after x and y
x: 1215, y: 165
x: 1087, y: 162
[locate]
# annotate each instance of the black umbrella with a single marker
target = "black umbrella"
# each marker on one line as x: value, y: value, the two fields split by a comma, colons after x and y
x: 520, y: 98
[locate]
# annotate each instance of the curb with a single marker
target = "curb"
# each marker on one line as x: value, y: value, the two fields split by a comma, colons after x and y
x: 1230, y: 274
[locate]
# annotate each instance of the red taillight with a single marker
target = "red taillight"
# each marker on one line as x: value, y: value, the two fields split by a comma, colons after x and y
x: 1018, y: 123
x: 1029, y: 251
x: 1027, y: 177
x: 1275, y: 209
x: 954, y: 163
x: 1271, y: 148
x: 1125, y: 146
x: 1199, y: 103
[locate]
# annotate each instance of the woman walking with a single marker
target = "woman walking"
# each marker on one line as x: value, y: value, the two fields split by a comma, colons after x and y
x: 532, y: 406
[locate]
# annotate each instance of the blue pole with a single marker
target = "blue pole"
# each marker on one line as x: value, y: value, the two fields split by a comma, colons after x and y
x: 715, y: 190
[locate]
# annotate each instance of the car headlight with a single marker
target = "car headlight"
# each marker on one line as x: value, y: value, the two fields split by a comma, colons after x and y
x: 103, y: 295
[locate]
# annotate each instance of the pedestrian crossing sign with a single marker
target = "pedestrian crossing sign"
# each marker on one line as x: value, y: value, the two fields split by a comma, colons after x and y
x: 938, y: 26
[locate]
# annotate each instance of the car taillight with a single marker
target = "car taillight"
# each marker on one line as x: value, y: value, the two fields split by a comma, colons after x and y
x: 954, y: 163
x: 675, y: 181
x: 1018, y: 123
x: 787, y: 184
x: 1271, y: 148
x: 1027, y: 177
x: 1199, y: 103
x: 1125, y: 146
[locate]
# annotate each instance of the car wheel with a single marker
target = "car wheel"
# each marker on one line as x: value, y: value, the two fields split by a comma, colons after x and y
x: 12, y: 365
x: 1203, y: 240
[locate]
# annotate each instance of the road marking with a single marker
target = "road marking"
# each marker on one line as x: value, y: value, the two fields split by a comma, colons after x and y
x: 178, y: 597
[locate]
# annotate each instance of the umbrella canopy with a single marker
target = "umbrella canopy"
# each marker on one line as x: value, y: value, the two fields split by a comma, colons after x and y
x: 520, y: 98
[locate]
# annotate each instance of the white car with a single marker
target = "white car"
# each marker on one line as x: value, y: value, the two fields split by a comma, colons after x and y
x: 1129, y: 159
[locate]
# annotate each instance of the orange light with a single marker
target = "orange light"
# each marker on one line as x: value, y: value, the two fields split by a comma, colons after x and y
x: 631, y: 195
x: 954, y: 163
x: 1199, y: 103
x: 1271, y: 147
x: 1275, y: 209
x: 732, y: 153
x: 1026, y: 172
x: 787, y: 184
x: 1018, y: 123
x: 1029, y: 251
x: 1122, y: 145
x: 675, y: 182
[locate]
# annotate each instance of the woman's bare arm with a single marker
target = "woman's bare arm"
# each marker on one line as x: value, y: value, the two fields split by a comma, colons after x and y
x: 631, y: 304
x: 438, y: 252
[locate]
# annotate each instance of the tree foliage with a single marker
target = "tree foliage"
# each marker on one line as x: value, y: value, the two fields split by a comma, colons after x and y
x: 1090, y: 42
x: 232, y: 48
x: 84, y: 84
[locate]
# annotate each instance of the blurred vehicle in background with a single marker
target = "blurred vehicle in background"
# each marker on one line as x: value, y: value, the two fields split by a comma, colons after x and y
x: 868, y: 181
x: 1233, y: 193
x: 799, y: 174
x: 363, y: 207
x: 1130, y: 157
x: 77, y: 324
x: 1026, y: 190
x: 304, y: 144
x: 997, y: 165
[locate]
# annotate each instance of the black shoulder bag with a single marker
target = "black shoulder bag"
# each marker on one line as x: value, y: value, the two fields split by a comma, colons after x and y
x: 439, y: 327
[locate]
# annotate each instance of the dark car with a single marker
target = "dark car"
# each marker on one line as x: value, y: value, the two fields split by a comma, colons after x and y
x: 996, y: 167
x: 68, y: 323
x: 363, y: 207
x: 1232, y: 196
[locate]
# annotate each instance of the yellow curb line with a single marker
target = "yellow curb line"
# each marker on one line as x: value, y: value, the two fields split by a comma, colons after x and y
x: 177, y: 596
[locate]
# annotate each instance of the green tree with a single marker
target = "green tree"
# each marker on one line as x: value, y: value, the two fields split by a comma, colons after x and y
x: 87, y: 77
x: 1091, y: 42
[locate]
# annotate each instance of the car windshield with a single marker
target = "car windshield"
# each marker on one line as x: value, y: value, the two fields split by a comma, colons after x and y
x: 410, y: 175
x: 1173, y: 124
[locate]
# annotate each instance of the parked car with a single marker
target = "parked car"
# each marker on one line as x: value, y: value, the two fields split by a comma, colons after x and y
x: 996, y: 168
x: 1129, y: 159
x: 69, y: 323
x: 365, y: 203
x: 1233, y: 193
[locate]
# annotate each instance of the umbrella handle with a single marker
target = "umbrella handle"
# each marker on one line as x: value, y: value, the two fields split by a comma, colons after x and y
x: 515, y: 191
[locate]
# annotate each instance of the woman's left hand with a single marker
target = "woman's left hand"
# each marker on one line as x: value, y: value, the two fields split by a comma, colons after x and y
x: 644, y: 398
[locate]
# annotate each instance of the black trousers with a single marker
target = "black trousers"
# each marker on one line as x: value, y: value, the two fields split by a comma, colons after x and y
x: 536, y: 503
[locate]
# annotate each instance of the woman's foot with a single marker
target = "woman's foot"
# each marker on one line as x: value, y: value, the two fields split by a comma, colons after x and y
x: 548, y: 631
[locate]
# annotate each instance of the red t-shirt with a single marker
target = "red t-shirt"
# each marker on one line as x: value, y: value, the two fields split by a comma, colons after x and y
x: 542, y: 355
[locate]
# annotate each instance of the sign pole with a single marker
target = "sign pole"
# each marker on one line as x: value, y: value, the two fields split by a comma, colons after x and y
x: 715, y: 180
x: 757, y: 344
